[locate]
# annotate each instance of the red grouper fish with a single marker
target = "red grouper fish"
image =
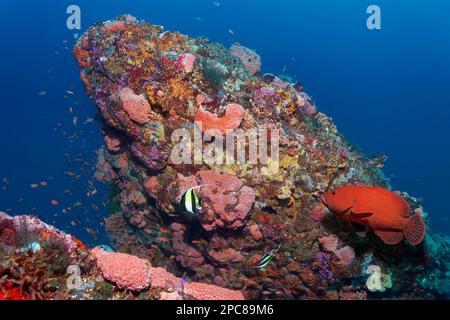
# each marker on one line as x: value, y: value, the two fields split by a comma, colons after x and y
x: 387, y: 213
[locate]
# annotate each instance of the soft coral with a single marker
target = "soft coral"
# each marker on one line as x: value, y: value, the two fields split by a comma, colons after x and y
x: 11, y: 292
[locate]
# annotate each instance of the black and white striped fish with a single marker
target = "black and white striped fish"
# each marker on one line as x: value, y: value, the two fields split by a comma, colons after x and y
x: 190, y: 201
x: 267, y: 258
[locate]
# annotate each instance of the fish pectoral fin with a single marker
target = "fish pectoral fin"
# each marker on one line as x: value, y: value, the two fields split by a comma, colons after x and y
x: 390, y: 237
x: 341, y: 213
x: 361, y: 215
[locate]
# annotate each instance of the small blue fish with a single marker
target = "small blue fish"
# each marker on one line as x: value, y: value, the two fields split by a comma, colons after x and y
x: 190, y: 201
x: 105, y: 248
x: 267, y: 258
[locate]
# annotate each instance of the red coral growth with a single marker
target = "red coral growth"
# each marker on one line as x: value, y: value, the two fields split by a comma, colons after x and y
x: 232, y: 119
x: 32, y: 225
x: 79, y: 243
x: 126, y: 271
x: 82, y: 56
x: 255, y: 232
x: 87, y: 83
x: 7, y: 230
x: 184, y: 184
x: 228, y: 255
x: 186, y: 62
x: 161, y: 278
x: 202, y: 291
x: 113, y: 142
x: 227, y: 203
x: 152, y: 186
x: 353, y: 295
x: 136, y: 106
x: 104, y: 171
x: 250, y: 59
x: 345, y: 255
x: 308, y: 277
x: 329, y: 243
x: 319, y: 212
x: 114, y: 26
x: 133, y: 273
x: 187, y: 255
x: 11, y: 292
x: 123, y: 162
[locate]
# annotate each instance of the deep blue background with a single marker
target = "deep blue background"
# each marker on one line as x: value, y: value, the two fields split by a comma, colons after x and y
x: 388, y: 91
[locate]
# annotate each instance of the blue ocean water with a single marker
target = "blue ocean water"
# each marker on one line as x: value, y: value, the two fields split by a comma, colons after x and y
x: 387, y: 90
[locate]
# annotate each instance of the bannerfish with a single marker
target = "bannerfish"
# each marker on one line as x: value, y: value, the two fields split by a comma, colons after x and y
x: 267, y: 257
x: 190, y: 201
x: 379, y: 209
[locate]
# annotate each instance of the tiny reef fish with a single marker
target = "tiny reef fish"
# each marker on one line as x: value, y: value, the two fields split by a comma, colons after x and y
x: 267, y: 257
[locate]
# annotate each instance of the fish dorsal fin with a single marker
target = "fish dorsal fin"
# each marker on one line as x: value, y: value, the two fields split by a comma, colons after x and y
x: 390, y: 237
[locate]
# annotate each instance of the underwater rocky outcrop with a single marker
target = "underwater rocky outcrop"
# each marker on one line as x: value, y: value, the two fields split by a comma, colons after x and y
x: 147, y: 83
x: 258, y: 228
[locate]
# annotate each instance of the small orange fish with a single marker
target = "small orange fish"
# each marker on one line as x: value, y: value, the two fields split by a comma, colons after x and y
x: 45, y: 234
x: 384, y: 211
x: 163, y: 239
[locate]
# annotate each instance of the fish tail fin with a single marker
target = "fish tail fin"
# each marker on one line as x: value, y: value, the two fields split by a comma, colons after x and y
x: 415, y: 230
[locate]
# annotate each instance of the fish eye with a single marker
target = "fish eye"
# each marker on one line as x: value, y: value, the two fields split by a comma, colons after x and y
x: 333, y: 193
